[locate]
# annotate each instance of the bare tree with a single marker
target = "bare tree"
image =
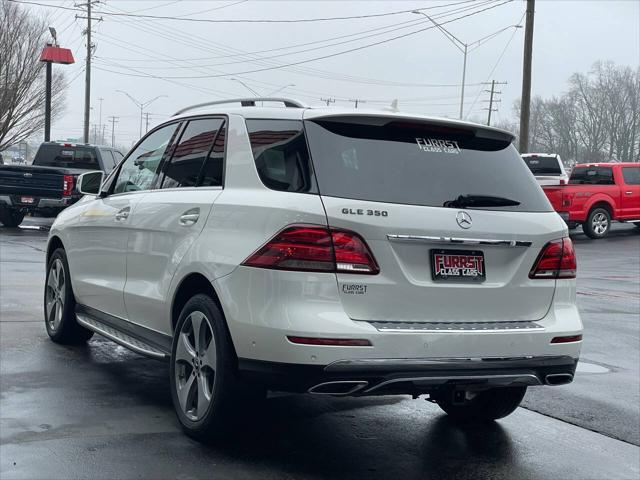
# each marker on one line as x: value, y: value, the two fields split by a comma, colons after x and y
x: 597, y: 119
x: 22, y: 76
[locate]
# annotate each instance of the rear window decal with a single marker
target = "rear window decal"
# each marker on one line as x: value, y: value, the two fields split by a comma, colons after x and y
x: 435, y: 145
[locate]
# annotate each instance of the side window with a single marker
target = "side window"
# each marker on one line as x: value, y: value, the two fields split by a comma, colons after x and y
x: 281, y: 155
x: 631, y: 175
x: 189, y: 156
x: 214, y: 167
x: 139, y: 170
x: 592, y: 176
x: 117, y: 155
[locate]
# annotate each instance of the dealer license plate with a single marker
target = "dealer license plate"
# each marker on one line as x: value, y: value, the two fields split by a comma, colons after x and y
x: 458, y: 265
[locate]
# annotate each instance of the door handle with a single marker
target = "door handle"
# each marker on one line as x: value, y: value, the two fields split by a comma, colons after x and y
x: 123, y: 214
x: 628, y: 192
x: 189, y: 217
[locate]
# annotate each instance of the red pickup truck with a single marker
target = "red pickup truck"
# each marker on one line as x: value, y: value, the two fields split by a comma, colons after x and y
x: 598, y: 193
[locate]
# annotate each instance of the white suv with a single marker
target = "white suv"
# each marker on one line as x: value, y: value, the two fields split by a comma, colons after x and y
x: 328, y: 251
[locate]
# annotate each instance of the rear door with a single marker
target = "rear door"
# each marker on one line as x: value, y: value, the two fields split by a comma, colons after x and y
x: 630, y: 192
x: 169, y: 218
x: 398, y: 183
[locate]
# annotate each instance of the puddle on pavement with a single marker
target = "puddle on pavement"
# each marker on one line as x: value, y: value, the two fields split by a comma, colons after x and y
x: 586, y: 367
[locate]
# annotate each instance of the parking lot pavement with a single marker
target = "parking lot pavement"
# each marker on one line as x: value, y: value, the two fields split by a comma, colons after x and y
x: 101, y: 411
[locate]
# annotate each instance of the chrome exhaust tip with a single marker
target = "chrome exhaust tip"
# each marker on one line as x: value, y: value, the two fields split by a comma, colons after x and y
x: 338, y: 388
x: 558, y: 378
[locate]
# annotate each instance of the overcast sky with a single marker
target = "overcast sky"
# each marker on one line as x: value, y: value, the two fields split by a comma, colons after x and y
x: 569, y: 37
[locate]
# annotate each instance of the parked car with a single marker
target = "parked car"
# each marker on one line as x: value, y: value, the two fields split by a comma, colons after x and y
x: 333, y: 252
x: 547, y: 168
x: 597, y: 194
x: 48, y: 185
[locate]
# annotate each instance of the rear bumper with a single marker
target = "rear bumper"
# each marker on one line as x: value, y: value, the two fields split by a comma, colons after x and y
x: 410, y: 376
x: 269, y: 306
x: 12, y: 201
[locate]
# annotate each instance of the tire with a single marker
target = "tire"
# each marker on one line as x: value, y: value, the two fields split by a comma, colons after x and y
x: 60, y: 303
x: 486, y: 406
x: 205, y: 389
x: 598, y: 223
x: 11, y: 218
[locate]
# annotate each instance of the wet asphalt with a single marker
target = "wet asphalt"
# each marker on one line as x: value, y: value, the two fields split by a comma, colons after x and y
x: 100, y: 411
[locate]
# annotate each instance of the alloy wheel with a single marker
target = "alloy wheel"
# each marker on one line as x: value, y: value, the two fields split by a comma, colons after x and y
x: 195, y: 365
x: 55, y: 289
x: 600, y: 223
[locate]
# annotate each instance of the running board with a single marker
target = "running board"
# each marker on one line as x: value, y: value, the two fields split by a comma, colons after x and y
x: 119, y: 337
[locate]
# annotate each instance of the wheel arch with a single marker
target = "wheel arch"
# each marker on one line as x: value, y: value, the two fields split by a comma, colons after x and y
x: 54, y: 243
x: 191, y: 285
x: 602, y: 203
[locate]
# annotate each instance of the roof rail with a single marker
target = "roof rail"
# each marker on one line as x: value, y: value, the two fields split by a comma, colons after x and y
x: 246, y: 102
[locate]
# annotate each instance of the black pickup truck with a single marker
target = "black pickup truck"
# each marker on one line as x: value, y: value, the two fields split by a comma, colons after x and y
x: 48, y: 185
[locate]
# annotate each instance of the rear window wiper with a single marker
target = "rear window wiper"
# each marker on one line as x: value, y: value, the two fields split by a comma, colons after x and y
x: 465, y: 201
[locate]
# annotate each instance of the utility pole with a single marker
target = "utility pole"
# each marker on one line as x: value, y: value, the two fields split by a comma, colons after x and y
x: 113, y: 121
x: 102, y: 135
x: 100, y: 114
x: 356, y: 101
x: 491, y: 100
x: 328, y: 100
x: 464, y: 75
x: 525, y: 105
x: 87, y: 78
x: 147, y: 122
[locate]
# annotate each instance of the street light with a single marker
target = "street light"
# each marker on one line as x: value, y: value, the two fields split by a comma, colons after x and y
x: 141, y: 105
x: 463, y: 47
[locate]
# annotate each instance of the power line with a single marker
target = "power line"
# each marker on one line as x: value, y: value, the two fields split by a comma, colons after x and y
x: 362, y: 47
x: 316, y: 73
x: 301, y: 70
x: 248, y: 20
x: 504, y: 50
x: 289, y: 47
x: 212, y: 9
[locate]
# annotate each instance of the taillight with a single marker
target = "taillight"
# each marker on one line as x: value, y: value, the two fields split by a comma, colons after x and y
x: 313, y: 248
x: 67, y: 185
x: 557, y: 260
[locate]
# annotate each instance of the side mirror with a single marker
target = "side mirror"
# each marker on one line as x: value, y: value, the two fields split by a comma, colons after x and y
x: 89, y: 183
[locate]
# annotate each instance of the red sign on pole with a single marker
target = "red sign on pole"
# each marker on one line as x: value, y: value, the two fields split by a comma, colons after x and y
x: 56, y: 55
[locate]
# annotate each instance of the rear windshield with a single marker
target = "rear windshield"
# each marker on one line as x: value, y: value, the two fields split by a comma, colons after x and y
x: 67, y: 157
x: 591, y: 176
x: 543, y: 165
x: 420, y: 164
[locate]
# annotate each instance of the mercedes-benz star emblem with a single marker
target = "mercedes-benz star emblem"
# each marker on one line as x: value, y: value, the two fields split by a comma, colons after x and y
x: 464, y: 219
x: 27, y: 175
